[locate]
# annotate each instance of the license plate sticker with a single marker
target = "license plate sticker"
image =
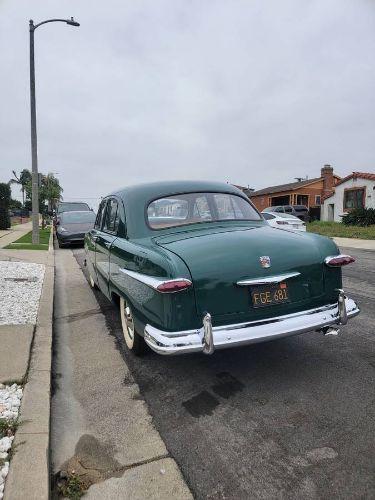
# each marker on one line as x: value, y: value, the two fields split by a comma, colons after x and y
x: 270, y: 295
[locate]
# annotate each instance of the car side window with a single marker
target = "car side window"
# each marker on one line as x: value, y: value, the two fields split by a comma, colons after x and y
x: 111, y: 216
x: 99, y: 216
x: 288, y: 210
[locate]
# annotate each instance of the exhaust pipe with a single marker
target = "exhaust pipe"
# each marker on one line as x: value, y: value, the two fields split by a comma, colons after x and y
x: 208, y: 339
x: 330, y: 330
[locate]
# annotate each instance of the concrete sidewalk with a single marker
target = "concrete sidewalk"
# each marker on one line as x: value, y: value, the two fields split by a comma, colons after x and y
x: 101, y: 426
x: 12, y: 234
x: 29, y: 468
x: 355, y: 243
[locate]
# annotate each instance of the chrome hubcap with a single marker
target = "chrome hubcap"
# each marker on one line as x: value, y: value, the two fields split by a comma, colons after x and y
x: 129, y: 322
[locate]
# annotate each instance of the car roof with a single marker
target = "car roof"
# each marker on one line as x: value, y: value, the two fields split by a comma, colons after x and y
x: 152, y: 190
x: 136, y: 199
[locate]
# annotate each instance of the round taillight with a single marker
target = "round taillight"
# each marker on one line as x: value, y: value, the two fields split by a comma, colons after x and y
x: 174, y: 286
x: 339, y: 260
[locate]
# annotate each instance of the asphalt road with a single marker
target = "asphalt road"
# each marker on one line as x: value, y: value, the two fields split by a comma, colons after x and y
x: 292, y: 418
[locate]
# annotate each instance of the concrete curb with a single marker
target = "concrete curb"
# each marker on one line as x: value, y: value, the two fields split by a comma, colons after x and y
x: 29, y: 474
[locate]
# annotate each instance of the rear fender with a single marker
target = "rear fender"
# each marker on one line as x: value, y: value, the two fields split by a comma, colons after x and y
x: 170, y: 311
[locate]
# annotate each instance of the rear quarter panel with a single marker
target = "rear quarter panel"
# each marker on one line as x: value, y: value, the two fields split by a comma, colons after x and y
x: 168, y: 311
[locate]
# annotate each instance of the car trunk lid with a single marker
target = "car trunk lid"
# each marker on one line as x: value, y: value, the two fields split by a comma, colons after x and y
x: 218, y: 259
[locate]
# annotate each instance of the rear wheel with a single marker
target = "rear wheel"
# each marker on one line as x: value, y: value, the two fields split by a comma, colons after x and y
x: 133, y: 340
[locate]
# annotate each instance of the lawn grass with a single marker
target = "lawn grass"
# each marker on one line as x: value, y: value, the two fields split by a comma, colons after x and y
x: 339, y: 230
x: 25, y: 242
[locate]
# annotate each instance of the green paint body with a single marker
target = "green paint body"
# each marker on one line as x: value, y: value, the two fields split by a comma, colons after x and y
x: 214, y: 256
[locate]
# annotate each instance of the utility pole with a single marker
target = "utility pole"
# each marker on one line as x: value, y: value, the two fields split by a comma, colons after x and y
x: 34, y: 142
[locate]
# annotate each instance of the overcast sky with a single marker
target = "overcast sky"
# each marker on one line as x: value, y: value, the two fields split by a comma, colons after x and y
x: 252, y: 92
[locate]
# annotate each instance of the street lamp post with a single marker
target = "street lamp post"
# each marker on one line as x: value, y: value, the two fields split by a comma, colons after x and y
x: 34, y: 144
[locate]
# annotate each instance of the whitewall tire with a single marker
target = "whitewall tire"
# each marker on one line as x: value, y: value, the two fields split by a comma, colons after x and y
x: 92, y: 282
x: 134, y: 342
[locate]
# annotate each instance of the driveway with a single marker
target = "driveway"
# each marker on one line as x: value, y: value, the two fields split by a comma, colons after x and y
x: 292, y: 418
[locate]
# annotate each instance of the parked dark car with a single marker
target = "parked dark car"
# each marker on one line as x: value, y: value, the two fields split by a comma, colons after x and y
x: 300, y: 211
x: 70, y: 206
x: 72, y: 226
x: 194, y: 267
x: 19, y: 212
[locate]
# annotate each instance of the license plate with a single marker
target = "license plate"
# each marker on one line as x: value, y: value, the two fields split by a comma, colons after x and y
x: 269, y: 295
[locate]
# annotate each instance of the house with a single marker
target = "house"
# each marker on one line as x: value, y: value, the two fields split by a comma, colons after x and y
x: 357, y: 190
x: 309, y: 192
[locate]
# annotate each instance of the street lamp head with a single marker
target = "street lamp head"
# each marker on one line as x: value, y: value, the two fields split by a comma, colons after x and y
x: 72, y: 22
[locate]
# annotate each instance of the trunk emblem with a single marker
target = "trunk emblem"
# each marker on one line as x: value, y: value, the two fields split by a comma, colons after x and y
x: 265, y: 261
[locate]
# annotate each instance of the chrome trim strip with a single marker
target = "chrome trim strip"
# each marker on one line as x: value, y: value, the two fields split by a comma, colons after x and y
x: 172, y: 343
x: 268, y: 279
x: 328, y: 259
x: 151, y: 281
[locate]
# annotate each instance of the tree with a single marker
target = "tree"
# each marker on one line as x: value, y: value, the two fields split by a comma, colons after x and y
x: 4, y: 205
x: 23, y: 180
x: 15, y: 204
x: 51, y: 190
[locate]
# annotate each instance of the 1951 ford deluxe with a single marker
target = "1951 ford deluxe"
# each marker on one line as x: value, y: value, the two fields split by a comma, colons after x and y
x: 194, y: 267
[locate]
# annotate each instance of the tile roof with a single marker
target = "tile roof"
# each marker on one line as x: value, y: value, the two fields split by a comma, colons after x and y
x: 353, y: 175
x: 285, y: 187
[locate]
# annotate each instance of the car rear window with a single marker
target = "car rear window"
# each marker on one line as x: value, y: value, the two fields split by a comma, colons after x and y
x: 268, y: 216
x: 72, y: 207
x: 192, y: 208
x: 300, y: 208
x: 78, y: 217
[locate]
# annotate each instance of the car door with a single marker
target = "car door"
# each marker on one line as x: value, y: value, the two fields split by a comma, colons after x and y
x: 104, y: 240
x: 90, y: 241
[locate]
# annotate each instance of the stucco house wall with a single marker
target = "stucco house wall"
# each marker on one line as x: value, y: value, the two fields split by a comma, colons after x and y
x: 333, y: 206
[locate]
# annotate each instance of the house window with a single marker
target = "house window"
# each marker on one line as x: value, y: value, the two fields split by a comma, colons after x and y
x: 317, y: 199
x: 354, y: 198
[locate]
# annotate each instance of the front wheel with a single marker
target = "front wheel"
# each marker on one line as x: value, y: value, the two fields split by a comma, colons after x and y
x: 133, y: 340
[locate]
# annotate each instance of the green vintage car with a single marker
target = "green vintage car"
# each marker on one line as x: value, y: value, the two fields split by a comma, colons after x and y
x: 194, y: 267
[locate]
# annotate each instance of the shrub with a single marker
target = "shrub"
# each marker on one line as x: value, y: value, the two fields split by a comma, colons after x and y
x: 4, y: 205
x: 360, y: 217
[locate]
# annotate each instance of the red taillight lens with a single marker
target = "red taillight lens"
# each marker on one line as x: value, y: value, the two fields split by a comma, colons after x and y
x: 339, y: 260
x: 174, y: 286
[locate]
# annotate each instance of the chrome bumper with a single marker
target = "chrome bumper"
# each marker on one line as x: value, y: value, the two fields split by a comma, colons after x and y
x: 209, y: 338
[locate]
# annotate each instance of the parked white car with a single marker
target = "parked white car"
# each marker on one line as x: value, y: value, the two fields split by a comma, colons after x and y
x: 284, y: 221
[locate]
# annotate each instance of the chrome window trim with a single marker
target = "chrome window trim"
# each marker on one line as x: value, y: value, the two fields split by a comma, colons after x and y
x: 151, y: 281
x: 268, y: 279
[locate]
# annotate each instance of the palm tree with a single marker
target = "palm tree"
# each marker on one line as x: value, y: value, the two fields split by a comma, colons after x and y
x: 51, y: 189
x: 23, y: 179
